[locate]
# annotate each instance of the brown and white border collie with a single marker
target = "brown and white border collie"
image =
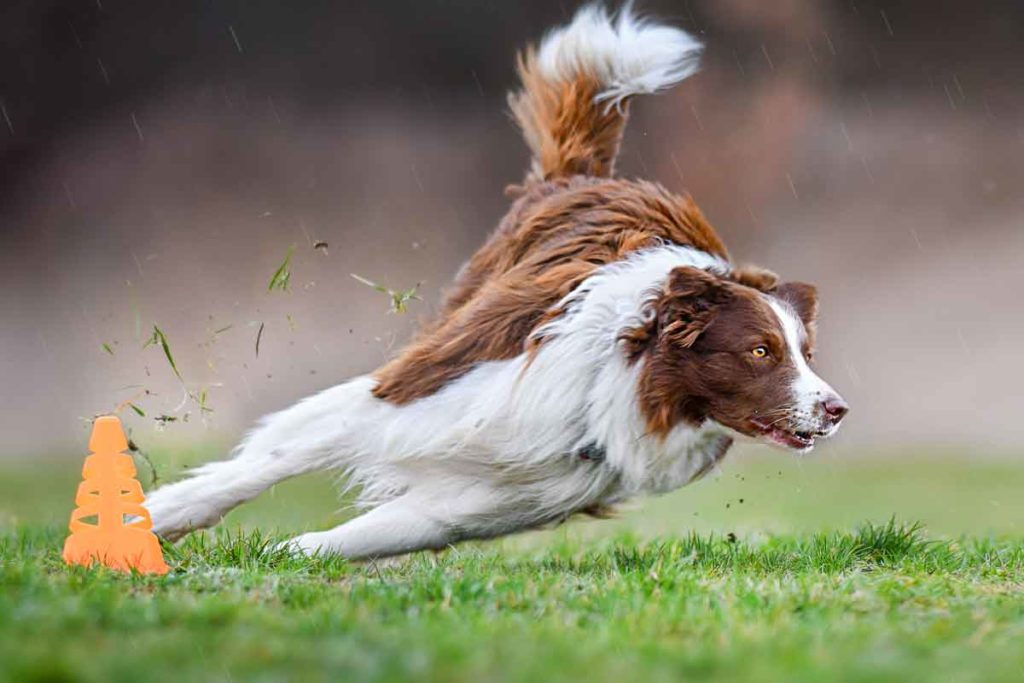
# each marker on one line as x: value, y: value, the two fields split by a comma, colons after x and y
x: 600, y: 346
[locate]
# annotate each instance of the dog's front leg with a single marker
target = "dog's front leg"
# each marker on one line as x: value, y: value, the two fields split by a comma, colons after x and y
x: 397, y: 527
x: 431, y: 516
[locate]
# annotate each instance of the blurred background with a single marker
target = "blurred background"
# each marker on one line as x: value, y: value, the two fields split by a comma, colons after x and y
x: 160, y: 160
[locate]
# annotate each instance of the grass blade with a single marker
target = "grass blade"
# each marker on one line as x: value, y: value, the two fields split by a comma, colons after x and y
x: 282, y: 276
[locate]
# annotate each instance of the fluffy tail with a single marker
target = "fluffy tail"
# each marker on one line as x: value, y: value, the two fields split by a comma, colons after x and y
x: 577, y: 85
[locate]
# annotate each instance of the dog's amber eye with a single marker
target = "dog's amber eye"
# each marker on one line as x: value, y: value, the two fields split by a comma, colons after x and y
x: 760, y: 352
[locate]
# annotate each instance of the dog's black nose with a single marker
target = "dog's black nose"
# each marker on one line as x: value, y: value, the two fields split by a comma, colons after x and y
x: 835, y: 407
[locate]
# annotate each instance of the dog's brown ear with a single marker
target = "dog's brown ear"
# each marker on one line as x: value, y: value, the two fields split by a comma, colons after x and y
x: 759, y: 278
x: 680, y: 312
x: 803, y: 298
x: 689, y: 303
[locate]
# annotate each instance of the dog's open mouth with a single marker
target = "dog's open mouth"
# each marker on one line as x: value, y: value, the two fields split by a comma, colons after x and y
x: 781, y: 435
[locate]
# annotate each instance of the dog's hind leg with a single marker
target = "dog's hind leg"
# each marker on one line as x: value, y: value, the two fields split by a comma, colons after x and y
x: 307, y: 437
x: 215, y: 489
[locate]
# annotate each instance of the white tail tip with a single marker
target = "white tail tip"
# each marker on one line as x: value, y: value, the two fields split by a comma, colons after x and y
x: 627, y: 54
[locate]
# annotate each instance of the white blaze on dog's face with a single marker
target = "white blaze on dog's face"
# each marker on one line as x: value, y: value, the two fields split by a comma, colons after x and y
x: 720, y: 349
x: 816, y: 409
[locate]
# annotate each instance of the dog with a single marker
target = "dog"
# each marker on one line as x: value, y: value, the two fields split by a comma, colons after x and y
x: 600, y: 346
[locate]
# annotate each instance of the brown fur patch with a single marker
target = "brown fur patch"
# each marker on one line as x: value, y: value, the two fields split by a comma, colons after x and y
x: 757, y: 277
x: 554, y: 236
x: 567, y: 131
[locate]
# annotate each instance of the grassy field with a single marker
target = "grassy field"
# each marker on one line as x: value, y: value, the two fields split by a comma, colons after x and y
x: 774, y: 570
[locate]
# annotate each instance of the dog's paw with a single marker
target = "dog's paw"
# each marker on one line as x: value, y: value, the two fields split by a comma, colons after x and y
x: 306, y: 545
x: 171, y: 521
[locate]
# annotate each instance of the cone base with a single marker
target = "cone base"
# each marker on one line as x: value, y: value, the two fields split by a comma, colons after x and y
x: 125, y: 550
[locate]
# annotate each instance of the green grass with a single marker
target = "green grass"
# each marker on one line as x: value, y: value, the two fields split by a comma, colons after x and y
x: 791, y: 584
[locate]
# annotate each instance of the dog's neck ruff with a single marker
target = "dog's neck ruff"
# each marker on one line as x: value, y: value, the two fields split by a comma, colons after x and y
x: 583, y: 371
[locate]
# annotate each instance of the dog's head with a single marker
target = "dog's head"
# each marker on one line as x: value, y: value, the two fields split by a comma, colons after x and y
x: 737, y: 350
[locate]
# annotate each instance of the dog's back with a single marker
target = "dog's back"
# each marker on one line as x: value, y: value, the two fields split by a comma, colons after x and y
x: 571, y: 215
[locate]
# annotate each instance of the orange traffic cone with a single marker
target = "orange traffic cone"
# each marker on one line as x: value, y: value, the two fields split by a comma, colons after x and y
x: 111, y: 493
